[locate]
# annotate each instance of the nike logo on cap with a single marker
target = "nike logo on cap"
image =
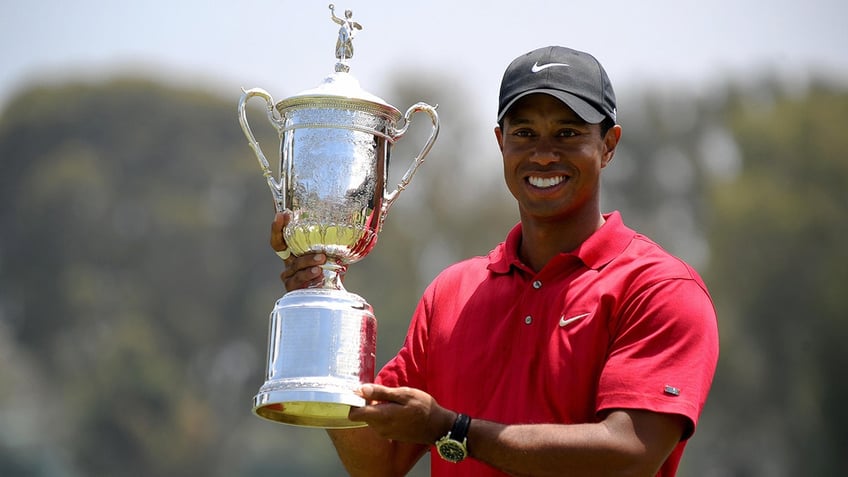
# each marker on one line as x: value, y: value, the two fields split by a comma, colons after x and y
x: 537, y: 67
x: 566, y: 321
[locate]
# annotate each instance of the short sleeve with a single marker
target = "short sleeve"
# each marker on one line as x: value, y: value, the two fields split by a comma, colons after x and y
x: 663, y: 352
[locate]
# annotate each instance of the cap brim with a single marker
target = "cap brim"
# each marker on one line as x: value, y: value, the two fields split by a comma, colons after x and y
x: 586, y: 111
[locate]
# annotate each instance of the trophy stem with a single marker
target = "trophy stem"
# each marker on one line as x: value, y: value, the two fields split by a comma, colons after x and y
x: 333, y: 271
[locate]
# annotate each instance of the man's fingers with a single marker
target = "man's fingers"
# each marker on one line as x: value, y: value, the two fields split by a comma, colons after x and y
x: 378, y: 401
x: 377, y: 392
x: 300, y: 272
x: 310, y: 263
x: 299, y: 276
x: 304, y: 271
x: 281, y: 219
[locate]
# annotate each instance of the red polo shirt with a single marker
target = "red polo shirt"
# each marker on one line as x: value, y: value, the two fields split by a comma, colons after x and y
x: 617, y: 323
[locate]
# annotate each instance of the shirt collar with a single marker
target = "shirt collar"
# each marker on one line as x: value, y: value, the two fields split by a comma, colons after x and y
x: 599, y: 249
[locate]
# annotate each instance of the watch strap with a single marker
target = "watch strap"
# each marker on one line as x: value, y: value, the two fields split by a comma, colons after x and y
x: 459, y: 431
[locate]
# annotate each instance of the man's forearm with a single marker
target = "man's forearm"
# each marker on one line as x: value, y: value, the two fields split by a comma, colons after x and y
x: 365, y: 454
x: 628, y: 443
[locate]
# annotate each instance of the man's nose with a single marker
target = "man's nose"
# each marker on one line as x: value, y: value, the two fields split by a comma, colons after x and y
x: 545, y: 151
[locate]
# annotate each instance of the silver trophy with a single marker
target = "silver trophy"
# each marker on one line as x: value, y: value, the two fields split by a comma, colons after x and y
x: 335, y: 143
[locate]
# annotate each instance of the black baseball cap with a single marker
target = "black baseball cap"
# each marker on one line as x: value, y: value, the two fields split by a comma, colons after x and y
x: 574, y: 77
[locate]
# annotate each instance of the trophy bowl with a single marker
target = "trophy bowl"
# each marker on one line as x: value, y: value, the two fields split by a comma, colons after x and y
x: 335, y: 145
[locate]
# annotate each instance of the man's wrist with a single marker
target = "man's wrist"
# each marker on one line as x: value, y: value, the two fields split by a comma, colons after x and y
x: 453, y: 446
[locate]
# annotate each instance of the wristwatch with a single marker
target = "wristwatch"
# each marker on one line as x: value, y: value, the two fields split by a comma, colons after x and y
x: 452, y: 445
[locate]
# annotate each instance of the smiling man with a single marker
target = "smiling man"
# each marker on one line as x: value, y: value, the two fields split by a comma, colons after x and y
x: 576, y: 347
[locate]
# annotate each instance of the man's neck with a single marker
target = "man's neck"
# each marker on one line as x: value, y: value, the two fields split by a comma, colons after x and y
x: 543, y: 240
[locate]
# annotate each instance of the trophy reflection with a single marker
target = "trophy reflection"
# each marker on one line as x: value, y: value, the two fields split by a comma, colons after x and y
x: 335, y: 143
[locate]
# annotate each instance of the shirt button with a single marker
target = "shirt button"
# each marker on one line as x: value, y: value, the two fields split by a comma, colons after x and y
x: 528, y: 319
x: 537, y: 284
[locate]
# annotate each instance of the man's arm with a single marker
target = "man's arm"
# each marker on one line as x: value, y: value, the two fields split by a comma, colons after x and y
x: 625, y: 443
x: 365, y: 454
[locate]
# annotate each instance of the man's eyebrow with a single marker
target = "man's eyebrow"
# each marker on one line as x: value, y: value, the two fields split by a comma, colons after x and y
x: 573, y: 122
x: 519, y: 120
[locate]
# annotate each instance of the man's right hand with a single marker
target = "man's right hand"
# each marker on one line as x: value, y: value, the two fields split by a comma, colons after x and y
x: 300, y: 272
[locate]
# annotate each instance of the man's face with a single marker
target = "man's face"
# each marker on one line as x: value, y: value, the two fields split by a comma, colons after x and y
x: 552, y: 158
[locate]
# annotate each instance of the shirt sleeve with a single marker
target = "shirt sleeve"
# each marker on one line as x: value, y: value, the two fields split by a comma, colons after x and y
x: 663, y: 353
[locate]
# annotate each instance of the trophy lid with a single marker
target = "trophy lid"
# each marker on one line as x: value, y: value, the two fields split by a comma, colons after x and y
x: 341, y: 89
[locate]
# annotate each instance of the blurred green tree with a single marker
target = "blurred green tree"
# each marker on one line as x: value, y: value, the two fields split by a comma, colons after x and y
x: 127, y: 272
x: 779, y: 269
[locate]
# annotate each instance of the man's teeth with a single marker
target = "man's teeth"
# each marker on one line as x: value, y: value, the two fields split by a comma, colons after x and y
x: 545, y: 181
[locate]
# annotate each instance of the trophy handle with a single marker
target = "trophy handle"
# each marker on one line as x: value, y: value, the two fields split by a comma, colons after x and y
x: 276, y: 121
x: 407, y: 177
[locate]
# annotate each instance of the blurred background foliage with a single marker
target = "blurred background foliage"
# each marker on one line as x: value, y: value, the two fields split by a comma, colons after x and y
x: 136, y: 279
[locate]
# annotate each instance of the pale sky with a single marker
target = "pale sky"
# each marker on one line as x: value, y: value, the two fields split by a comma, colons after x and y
x: 286, y: 46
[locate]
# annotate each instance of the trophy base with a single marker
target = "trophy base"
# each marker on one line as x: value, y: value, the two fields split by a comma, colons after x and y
x: 317, y: 408
x: 321, y: 348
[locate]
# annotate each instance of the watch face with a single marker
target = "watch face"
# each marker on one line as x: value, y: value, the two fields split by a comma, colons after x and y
x: 451, y: 450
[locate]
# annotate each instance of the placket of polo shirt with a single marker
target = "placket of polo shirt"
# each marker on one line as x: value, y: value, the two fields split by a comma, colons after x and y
x: 536, y: 284
x: 540, y: 289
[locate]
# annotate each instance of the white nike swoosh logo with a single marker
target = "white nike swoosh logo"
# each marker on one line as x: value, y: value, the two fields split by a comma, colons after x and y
x: 565, y: 321
x: 537, y: 67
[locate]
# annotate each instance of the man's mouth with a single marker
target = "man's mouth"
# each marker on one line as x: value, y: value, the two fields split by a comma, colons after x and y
x: 545, y: 182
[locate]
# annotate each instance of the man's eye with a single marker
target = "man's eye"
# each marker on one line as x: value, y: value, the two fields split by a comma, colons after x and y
x: 568, y: 133
x: 523, y: 133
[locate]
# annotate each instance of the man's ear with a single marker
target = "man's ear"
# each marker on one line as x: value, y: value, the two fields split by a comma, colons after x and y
x: 499, y: 137
x: 610, y: 143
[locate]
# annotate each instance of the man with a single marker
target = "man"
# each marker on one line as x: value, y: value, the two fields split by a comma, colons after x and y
x: 576, y: 347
